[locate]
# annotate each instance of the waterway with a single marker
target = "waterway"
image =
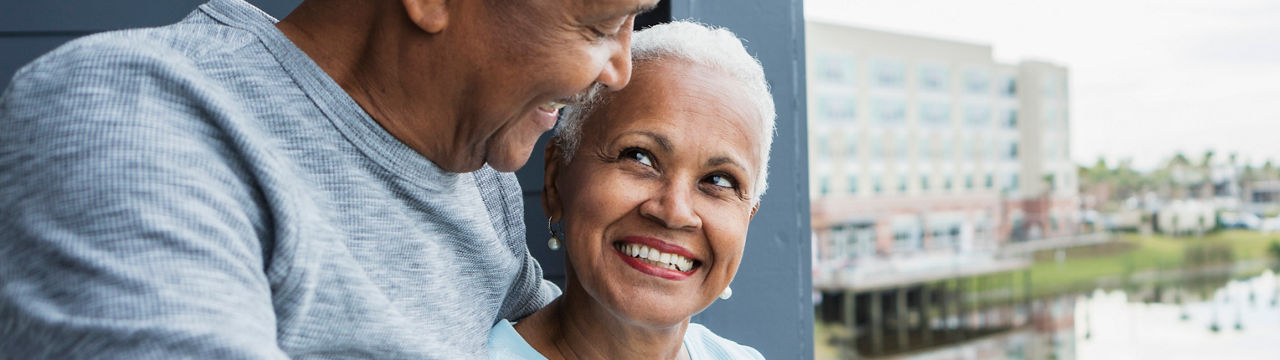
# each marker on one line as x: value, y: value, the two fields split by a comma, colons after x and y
x: 1218, y: 318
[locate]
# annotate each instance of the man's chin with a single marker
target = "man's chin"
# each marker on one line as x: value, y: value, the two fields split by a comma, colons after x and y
x: 509, y: 162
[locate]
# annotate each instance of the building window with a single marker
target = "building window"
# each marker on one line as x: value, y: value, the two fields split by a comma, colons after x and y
x: 926, y: 151
x: 933, y: 77
x: 977, y: 115
x: 824, y: 185
x: 1010, y: 87
x: 820, y: 147
x: 947, y: 184
x: 1013, y: 151
x: 900, y: 146
x: 890, y: 111
x: 889, y: 73
x: 977, y: 81
x: 836, y: 69
x: 991, y: 181
x: 850, y: 147
x: 837, y: 108
x: 933, y: 113
x: 902, y: 184
x: 902, y: 240
x: 852, y: 183
x: 924, y: 182
x: 968, y: 182
x: 1011, y: 119
x: 878, y: 187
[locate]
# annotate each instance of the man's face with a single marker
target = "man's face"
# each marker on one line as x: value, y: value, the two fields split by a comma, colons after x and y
x: 527, y: 59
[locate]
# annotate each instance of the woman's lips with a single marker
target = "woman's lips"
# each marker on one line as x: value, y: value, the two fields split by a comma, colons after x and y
x: 657, y: 258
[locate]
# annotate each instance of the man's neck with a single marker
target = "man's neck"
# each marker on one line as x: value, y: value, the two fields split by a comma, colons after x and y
x: 357, y: 45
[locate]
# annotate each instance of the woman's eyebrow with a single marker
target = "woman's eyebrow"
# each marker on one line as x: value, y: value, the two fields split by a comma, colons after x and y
x: 725, y: 160
x: 660, y: 139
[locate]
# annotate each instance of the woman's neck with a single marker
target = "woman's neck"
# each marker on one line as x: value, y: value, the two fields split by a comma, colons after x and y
x: 590, y: 331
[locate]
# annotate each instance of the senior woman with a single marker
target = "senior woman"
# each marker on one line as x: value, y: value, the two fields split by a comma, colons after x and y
x: 654, y: 186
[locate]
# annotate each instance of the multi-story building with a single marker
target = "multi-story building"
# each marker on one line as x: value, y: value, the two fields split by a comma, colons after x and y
x: 924, y: 147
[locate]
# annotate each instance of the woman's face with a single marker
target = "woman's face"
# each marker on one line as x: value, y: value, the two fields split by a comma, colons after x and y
x: 664, y: 171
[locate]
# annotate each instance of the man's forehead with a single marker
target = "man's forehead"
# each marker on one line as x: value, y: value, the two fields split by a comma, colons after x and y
x: 614, y: 8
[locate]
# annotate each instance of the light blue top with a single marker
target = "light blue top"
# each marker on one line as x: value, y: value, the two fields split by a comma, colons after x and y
x: 507, y: 344
x: 204, y: 190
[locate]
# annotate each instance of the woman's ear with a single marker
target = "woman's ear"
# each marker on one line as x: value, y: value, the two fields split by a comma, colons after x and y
x: 431, y: 16
x: 550, y: 192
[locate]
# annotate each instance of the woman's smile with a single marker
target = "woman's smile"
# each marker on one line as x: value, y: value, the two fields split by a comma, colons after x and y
x: 657, y: 258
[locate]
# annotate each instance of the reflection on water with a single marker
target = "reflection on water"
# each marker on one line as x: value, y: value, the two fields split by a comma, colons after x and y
x: 1238, y: 319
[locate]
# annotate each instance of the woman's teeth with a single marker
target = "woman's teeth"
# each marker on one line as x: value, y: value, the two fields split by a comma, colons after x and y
x: 661, y: 259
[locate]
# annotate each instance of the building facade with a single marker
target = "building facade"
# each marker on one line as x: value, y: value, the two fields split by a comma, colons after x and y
x: 924, y: 148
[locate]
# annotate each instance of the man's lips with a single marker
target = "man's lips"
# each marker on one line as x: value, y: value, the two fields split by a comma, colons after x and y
x: 551, y: 107
x: 548, y: 113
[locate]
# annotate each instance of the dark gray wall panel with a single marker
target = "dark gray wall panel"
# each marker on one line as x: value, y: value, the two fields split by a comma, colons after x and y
x: 29, y: 29
x: 18, y: 51
x: 772, y: 305
x: 82, y: 15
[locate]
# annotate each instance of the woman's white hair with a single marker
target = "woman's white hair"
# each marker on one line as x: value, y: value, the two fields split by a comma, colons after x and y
x: 713, y: 47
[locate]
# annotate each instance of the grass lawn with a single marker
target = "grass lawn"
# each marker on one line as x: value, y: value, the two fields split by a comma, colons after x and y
x: 1134, y: 253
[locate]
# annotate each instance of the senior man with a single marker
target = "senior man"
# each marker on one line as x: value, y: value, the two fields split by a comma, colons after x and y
x: 329, y: 185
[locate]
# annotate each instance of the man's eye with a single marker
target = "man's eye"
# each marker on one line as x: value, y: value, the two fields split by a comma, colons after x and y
x: 723, y: 181
x: 610, y: 29
x: 637, y: 155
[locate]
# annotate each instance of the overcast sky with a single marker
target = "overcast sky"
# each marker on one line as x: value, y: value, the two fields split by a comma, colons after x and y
x: 1148, y: 78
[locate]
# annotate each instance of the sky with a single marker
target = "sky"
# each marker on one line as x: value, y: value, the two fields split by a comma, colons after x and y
x: 1148, y: 78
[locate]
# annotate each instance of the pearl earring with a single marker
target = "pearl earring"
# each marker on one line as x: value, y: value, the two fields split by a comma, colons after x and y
x: 726, y: 294
x: 554, y: 242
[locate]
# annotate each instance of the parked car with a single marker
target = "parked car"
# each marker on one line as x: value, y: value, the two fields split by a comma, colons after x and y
x: 1270, y: 225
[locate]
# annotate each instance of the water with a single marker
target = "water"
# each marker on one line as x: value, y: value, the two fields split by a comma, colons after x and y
x: 1244, y: 314
x: 1238, y: 319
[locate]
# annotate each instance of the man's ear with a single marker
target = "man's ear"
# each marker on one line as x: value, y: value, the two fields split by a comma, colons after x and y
x: 431, y: 16
x: 550, y: 192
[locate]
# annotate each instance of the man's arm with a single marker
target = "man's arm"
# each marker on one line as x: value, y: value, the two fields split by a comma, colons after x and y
x: 129, y: 228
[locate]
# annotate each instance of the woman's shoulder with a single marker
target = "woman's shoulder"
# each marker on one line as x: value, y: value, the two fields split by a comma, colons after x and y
x: 506, y: 343
x: 706, y: 345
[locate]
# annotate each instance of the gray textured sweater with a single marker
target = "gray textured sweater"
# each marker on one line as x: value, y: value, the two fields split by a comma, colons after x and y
x: 203, y: 189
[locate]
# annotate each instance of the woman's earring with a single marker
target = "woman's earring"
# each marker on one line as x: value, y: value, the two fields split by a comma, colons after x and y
x: 726, y: 294
x: 554, y: 242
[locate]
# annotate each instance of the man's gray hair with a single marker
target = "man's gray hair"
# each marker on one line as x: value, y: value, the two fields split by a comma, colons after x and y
x: 713, y: 47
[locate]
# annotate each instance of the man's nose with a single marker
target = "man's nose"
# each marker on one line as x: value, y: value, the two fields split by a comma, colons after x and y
x: 616, y: 73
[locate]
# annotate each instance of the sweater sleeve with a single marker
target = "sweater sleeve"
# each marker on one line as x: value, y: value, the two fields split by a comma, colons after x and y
x: 129, y: 225
x: 529, y: 291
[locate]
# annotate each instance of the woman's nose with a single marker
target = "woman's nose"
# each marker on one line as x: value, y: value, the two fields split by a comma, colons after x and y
x: 673, y: 208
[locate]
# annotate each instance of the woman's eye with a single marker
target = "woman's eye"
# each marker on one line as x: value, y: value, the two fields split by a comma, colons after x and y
x: 638, y: 155
x: 723, y: 181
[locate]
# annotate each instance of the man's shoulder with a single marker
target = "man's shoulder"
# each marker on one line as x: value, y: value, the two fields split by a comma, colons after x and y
x: 187, y: 45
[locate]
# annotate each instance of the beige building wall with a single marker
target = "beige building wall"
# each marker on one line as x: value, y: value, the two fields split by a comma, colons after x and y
x: 920, y: 144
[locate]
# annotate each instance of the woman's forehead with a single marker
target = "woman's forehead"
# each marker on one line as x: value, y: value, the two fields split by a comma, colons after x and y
x: 682, y: 100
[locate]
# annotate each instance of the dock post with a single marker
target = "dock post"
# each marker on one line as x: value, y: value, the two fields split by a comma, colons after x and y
x: 877, y: 323
x: 849, y: 349
x: 900, y: 303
